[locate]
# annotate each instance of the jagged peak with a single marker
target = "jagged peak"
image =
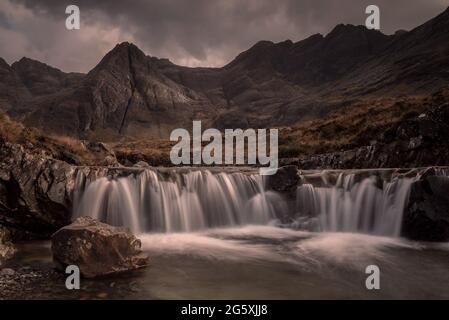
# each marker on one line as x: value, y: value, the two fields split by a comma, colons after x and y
x: 341, y: 28
x: 285, y: 43
x: 26, y: 62
x: 3, y: 63
x: 311, y: 39
x: 124, y: 51
x: 400, y: 32
x: 126, y: 47
x: 314, y: 36
x: 261, y: 44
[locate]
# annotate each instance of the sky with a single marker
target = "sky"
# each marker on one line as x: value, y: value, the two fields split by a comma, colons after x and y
x: 188, y: 32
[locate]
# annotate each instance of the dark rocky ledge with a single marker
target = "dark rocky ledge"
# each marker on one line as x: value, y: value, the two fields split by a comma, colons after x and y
x: 427, y: 214
x: 35, y: 192
x: 418, y: 142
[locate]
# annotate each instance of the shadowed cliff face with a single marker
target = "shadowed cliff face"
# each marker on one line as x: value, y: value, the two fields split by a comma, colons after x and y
x: 12, y: 91
x: 271, y: 84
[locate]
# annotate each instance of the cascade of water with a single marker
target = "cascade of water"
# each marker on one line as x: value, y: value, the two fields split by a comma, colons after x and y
x: 160, y: 201
x: 190, y: 201
x: 361, y: 206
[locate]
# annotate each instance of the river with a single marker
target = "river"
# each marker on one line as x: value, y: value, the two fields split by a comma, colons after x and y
x: 225, y: 235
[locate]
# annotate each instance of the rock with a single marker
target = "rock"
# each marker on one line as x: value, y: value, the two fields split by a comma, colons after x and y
x: 426, y: 217
x: 7, y: 249
x: 286, y: 179
x: 35, y: 191
x: 142, y: 164
x: 414, y: 152
x: 96, y: 248
x: 7, y: 272
x: 415, y: 142
x: 104, y: 154
x: 27, y: 283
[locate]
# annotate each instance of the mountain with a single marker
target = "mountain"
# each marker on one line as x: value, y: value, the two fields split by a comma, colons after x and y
x: 271, y: 84
x: 12, y: 91
x: 41, y: 79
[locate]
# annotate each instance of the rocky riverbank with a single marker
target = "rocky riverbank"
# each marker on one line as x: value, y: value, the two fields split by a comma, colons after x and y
x: 97, y: 249
x: 416, y: 142
x: 31, y: 274
x: 37, y: 193
x: 25, y: 282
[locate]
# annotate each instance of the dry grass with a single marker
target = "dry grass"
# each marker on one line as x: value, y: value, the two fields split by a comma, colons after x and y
x: 13, y: 131
x: 153, y: 151
x: 349, y: 127
x: 61, y: 147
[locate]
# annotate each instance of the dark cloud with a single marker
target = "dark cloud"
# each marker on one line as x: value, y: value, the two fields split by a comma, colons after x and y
x: 191, y: 32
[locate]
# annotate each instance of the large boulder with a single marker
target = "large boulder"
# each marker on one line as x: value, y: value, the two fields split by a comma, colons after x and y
x: 426, y: 216
x: 98, y: 249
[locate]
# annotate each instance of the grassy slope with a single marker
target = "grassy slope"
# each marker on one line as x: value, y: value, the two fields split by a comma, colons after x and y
x: 349, y: 127
x: 60, y: 147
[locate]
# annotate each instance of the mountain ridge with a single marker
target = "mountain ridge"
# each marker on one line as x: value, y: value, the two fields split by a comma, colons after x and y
x: 129, y: 93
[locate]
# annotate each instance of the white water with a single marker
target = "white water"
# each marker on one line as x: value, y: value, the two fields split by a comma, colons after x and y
x: 156, y: 201
x: 355, y: 207
x: 190, y: 201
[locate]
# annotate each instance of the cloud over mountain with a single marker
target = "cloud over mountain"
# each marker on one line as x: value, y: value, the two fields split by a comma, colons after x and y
x: 193, y: 33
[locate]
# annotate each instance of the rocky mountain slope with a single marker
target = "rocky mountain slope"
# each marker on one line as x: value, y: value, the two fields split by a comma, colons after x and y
x: 272, y: 84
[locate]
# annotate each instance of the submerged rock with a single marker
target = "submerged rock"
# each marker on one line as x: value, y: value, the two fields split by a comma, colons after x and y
x: 426, y: 216
x: 98, y: 249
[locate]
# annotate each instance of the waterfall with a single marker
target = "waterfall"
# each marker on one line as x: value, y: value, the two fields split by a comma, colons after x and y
x: 153, y: 201
x: 349, y: 206
x: 174, y: 200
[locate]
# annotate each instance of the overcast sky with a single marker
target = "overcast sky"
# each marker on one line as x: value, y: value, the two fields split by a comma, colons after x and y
x: 188, y: 32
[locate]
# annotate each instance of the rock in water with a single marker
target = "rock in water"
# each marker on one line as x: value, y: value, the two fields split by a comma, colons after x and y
x: 98, y: 249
